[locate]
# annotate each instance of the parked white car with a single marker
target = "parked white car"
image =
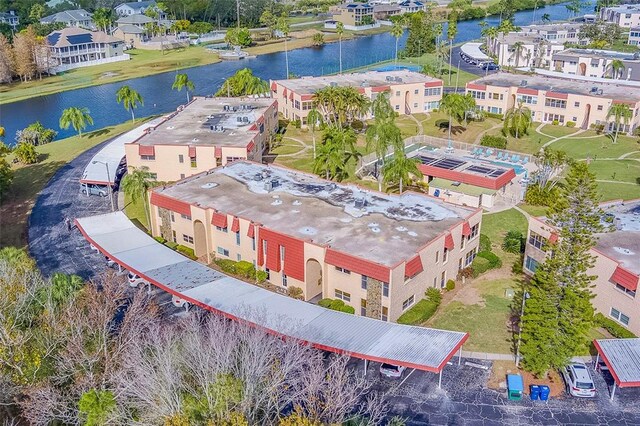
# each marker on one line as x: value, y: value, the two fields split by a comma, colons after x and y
x: 579, y: 383
x: 178, y: 302
x: 390, y: 370
x: 135, y: 280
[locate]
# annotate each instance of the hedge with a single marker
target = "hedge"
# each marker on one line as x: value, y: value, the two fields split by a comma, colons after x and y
x: 336, y: 305
x: 484, y: 261
x: 485, y: 243
x: 494, y: 141
x: 613, y: 327
x: 451, y: 284
x: 186, y: 251
x: 423, y: 310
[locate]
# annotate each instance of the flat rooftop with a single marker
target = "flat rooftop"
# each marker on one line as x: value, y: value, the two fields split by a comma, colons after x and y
x: 623, y: 244
x: 617, y: 91
x: 211, y: 121
x: 310, y: 85
x: 525, y: 37
x: 625, y: 8
x: 596, y: 53
x: 552, y: 28
x: 387, y: 229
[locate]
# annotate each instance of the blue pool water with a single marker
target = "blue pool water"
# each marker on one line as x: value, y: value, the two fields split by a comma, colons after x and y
x: 518, y: 168
x: 398, y: 68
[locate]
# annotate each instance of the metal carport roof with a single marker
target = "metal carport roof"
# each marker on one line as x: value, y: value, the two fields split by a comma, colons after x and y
x: 473, y: 51
x: 622, y: 357
x: 365, y: 338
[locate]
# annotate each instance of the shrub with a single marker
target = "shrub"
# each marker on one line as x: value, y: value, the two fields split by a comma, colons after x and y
x: 295, y: 292
x: 513, y: 242
x: 424, y: 309
x: 494, y: 260
x: 336, y: 305
x: 245, y: 269
x: 599, y: 128
x: 571, y: 124
x: 227, y: 265
x: 261, y: 276
x: 484, y: 261
x: 451, y: 284
x: 297, y: 123
x: 494, y: 141
x: 555, y: 122
x: 538, y: 196
x: 613, y: 327
x: 26, y: 153
x: 357, y: 125
x: 494, y: 115
x: 172, y: 245
x: 160, y: 240
x: 485, y: 243
x: 465, y: 273
x: 186, y: 251
x: 516, y: 268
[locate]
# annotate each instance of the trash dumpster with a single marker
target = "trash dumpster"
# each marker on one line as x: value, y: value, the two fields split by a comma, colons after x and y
x: 534, y: 392
x: 515, y: 387
x: 544, y: 392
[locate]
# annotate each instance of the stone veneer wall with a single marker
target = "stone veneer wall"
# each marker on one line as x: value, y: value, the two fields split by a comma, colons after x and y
x: 165, y: 224
x: 374, y: 298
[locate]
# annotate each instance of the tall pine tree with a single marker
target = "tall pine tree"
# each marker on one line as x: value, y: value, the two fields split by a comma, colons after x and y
x: 558, y: 315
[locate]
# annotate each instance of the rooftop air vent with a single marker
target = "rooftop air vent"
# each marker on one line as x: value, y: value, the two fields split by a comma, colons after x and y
x: 523, y: 83
x: 389, y: 78
x: 245, y: 119
x: 226, y: 108
x: 270, y: 185
x: 594, y: 89
x: 333, y: 84
x: 360, y: 203
x: 257, y: 177
x: 599, y: 92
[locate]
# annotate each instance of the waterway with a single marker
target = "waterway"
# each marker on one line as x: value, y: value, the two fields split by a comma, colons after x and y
x: 159, y: 98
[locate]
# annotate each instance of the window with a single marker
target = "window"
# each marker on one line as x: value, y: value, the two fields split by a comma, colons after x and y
x: 344, y: 271
x: 148, y: 157
x: 363, y: 307
x: 397, y: 107
x: 363, y: 282
x: 221, y: 229
x: 264, y: 248
x: 185, y: 216
x: 180, y: 158
x: 284, y: 280
x: 462, y: 241
x: 536, y: 240
x: 385, y: 314
x: 625, y: 290
x: 435, y: 282
x: 555, y: 103
x: 443, y: 278
x: 194, y: 162
x: 437, y: 256
x: 296, y: 104
x: 619, y: 316
x: 282, y: 254
x: 469, y: 258
x: 238, y: 257
x: 433, y: 91
x: 182, y: 176
x: 173, y: 216
x: 175, y: 238
x: 397, y: 93
x: 268, y: 271
x: 187, y: 238
x: 528, y: 99
x: 430, y: 106
x: 342, y: 295
x: 238, y: 238
x: 553, y: 117
x: 531, y: 264
x: 407, y: 303
x: 460, y: 264
x: 599, y: 107
x: 415, y: 92
x: 223, y: 251
x: 576, y: 104
x: 385, y: 289
x: 253, y: 243
x: 474, y: 231
x: 445, y: 256
x: 477, y: 95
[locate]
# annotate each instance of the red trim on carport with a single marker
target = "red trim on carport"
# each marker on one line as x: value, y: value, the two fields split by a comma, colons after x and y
x: 611, y: 370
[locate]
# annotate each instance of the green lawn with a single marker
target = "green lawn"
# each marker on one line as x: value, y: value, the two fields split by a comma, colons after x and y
x: 135, y: 211
x: 617, y: 191
x: 528, y: 144
x: 558, y: 131
x: 496, y: 225
x: 534, y: 210
x: 29, y: 180
x: 618, y: 170
x: 437, y: 126
x: 142, y: 63
x: 598, y: 147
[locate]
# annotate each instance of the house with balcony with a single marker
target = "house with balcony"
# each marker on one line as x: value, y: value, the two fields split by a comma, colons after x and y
x: 139, y: 7
x: 10, y: 18
x: 354, y: 16
x: 78, y: 18
x: 410, y: 6
x: 76, y: 47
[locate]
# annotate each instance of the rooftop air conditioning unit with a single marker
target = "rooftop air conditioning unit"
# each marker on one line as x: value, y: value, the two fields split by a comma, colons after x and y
x: 360, y: 203
x: 333, y: 84
x: 257, y: 177
x: 599, y: 92
x: 226, y: 108
x: 245, y: 119
x: 594, y: 89
x: 239, y: 119
x: 389, y: 78
x: 523, y: 83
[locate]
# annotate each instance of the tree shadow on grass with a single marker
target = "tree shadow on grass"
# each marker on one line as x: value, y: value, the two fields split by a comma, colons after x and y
x: 42, y: 157
x: 443, y: 125
x: 99, y: 132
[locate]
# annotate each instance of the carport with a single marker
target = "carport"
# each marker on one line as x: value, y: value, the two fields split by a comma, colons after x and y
x: 428, y: 349
x: 622, y: 357
x: 473, y: 51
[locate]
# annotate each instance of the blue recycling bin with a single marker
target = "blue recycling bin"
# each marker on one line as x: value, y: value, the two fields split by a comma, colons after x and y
x: 544, y: 392
x: 534, y: 392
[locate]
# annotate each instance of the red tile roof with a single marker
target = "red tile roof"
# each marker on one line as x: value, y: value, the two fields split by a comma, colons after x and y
x: 437, y: 83
x: 218, y: 152
x: 525, y: 91
x: 146, y: 150
x: 413, y: 267
x: 274, y: 86
x: 251, y: 146
x: 448, y: 242
x: 625, y: 278
x: 474, y: 86
x: 380, y: 89
x: 284, y: 92
x: 219, y: 220
x: 466, y: 229
x: 306, y: 97
x: 557, y: 95
x: 294, y: 262
x: 357, y: 265
x: 192, y: 152
x: 170, y: 204
x: 235, y: 225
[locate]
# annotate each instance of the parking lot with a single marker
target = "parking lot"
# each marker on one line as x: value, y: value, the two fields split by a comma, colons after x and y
x: 465, y: 66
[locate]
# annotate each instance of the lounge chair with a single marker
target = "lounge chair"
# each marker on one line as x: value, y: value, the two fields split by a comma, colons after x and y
x: 525, y: 160
x: 488, y: 152
x: 517, y: 159
x: 513, y: 158
x: 499, y: 155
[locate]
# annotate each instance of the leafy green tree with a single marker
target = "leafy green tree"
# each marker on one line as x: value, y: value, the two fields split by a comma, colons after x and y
x: 26, y: 153
x: 96, y: 406
x: 136, y: 185
x: 517, y: 121
x: 621, y: 113
x: 335, y: 154
x: 182, y: 82
x: 37, y: 11
x: 284, y: 28
x: 6, y: 173
x: 340, y: 32
x: 396, y: 31
x: 130, y: 99
x: 615, y: 69
x: 238, y: 37
x: 400, y: 169
x: 17, y: 259
x: 600, y: 34
x: 200, y: 28
x: 35, y: 134
x: 103, y: 18
x: 318, y: 39
x: 513, y: 242
x: 243, y: 83
x: 422, y: 34
x: 457, y: 106
x: 558, y: 315
x: 78, y: 118
x: 340, y: 105
x: 383, y: 133
x: 269, y: 20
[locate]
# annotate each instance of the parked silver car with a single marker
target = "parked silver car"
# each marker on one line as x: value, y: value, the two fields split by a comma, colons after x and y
x: 390, y: 370
x: 93, y: 189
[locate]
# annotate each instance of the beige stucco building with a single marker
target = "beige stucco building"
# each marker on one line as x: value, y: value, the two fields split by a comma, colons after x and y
x: 409, y: 92
x: 354, y: 14
x: 624, y: 15
x: 204, y: 134
x: 617, y: 261
x: 550, y: 99
x: 597, y: 63
x: 377, y: 252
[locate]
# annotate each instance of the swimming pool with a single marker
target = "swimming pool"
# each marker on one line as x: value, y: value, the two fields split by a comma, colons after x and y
x: 398, y: 68
x: 517, y: 167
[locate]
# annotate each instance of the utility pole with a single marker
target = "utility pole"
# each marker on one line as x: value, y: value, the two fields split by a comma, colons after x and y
x: 238, y: 12
x: 525, y: 296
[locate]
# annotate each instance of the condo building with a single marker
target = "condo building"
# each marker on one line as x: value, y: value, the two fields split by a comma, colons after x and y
x: 207, y: 132
x: 409, y: 92
x: 617, y: 261
x: 523, y: 50
x: 553, y: 99
x: 377, y: 252
x: 597, y: 63
x: 624, y: 15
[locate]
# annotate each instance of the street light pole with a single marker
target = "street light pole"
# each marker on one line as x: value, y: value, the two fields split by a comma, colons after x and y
x: 525, y: 296
x: 113, y: 207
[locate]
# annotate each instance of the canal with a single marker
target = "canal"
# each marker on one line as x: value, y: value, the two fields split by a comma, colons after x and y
x: 159, y: 98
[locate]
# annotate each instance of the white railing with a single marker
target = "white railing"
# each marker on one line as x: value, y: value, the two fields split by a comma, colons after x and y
x: 67, y: 67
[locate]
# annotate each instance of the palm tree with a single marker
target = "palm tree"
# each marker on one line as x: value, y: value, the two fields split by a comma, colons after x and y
x: 457, y: 106
x: 340, y: 31
x: 130, y: 99
x: 518, y: 48
x: 452, y: 31
x: 283, y: 26
x: 619, y: 112
x: 517, y: 120
x: 400, y: 169
x: 182, y: 81
x: 78, y: 118
x: 546, y: 17
x: 243, y: 83
x: 615, y: 68
x: 339, y: 105
x: 338, y: 148
x: 442, y: 52
x: 136, y: 185
x: 314, y: 120
x: 383, y: 133
x: 397, y: 30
